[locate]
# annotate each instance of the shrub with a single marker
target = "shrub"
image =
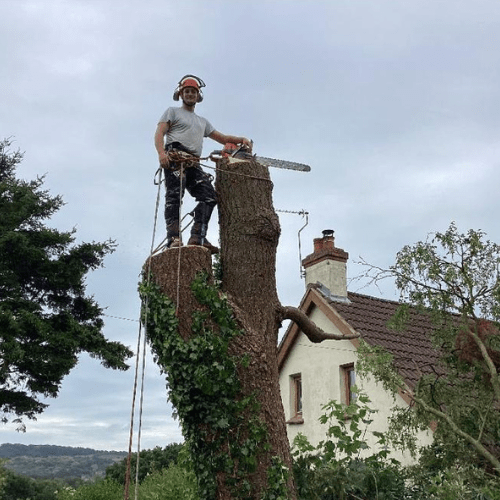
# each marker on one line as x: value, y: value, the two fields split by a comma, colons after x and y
x: 174, y: 483
x: 333, y: 470
x: 150, y: 461
x: 104, y: 489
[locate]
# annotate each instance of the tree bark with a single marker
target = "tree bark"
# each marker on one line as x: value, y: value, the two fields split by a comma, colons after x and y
x: 249, y: 234
x: 174, y: 271
x: 309, y: 328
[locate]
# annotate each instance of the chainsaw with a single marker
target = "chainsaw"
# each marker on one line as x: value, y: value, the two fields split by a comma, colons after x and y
x: 243, y: 153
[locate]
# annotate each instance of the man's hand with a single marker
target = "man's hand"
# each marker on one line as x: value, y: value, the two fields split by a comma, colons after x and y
x: 163, y: 157
x: 248, y: 143
x: 233, y: 139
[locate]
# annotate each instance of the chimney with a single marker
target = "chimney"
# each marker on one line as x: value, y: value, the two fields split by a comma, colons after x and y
x: 327, y: 265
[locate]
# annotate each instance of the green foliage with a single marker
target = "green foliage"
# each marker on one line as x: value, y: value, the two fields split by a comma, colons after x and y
x: 277, y: 478
x: 451, y: 272
x: 454, y: 280
x: 3, y: 477
x: 103, y: 489
x: 173, y: 483
x: 333, y: 470
x: 17, y: 487
x: 452, y: 483
x: 150, y: 461
x: 46, y: 319
x: 219, y: 422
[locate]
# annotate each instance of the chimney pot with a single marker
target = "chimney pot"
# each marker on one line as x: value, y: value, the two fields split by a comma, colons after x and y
x: 326, y: 242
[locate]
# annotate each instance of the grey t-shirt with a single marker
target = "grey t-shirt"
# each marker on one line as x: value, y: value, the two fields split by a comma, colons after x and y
x: 187, y: 128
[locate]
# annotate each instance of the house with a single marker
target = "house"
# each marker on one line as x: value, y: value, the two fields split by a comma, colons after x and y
x: 313, y: 374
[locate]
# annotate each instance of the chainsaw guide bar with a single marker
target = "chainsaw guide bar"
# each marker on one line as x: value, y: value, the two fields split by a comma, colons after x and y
x: 290, y: 165
x: 239, y: 154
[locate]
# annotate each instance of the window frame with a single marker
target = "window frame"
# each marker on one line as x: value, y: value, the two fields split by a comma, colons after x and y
x: 348, y: 396
x: 296, y: 399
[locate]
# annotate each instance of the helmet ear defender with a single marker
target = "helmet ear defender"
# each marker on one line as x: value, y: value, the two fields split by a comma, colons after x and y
x: 189, y: 81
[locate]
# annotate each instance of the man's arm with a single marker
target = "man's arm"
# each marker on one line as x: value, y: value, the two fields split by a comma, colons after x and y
x: 233, y: 139
x: 161, y: 132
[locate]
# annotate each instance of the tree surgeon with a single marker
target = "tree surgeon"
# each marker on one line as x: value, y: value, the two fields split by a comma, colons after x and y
x: 180, y: 130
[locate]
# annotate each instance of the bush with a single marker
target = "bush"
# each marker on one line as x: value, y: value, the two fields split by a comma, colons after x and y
x: 18, y: 487
x: 174, y: 483
x: 150, y: 461
x: 104, y: 489
x: 333, y: 470
x: 453, y: 483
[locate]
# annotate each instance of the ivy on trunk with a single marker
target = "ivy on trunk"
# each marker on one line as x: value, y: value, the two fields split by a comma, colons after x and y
x: 218, y: 343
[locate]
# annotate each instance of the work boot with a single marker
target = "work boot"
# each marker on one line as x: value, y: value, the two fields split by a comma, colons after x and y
x: 174, y: 242
x: 173, y: 238
x: 198, y: 238
x: 203, y: 242
x: 202, y: 214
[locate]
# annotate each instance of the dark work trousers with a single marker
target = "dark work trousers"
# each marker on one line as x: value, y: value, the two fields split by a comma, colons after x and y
x: 199, y: 185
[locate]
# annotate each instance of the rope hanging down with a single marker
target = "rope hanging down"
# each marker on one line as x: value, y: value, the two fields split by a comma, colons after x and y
x: 144, y: 306
x: 181, y: 159
x: 143, y: 369
x: 180, y: 244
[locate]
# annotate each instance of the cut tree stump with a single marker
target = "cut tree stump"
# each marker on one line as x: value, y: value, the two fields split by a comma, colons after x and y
x: 165, y: 272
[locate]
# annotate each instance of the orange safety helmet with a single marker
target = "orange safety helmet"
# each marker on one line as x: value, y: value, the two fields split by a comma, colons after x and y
x: 189, y: 81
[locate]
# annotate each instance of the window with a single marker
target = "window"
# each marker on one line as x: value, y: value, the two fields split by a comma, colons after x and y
x: 296, y: 399
x: 297, y: 393
x: 348, y: 382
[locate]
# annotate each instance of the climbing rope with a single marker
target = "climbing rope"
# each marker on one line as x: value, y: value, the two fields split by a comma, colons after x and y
x: 185, y: 160
x: 144, y: 306
x: 180, y: 244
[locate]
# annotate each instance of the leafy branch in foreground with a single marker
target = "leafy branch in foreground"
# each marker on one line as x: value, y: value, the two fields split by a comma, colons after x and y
x: 453, y: 280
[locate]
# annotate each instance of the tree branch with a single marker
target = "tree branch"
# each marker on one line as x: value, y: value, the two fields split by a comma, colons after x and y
x: 495, y: 380
x: 480, y: 448
x: 310, y: 329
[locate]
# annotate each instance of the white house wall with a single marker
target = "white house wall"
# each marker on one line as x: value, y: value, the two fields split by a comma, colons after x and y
x: 321, y: 375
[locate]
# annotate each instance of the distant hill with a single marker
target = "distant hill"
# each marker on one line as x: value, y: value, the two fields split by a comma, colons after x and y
x: 45, y: 450
x: 58, y: 462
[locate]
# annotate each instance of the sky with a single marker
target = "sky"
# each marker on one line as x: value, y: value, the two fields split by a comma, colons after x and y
x: 395, y: 105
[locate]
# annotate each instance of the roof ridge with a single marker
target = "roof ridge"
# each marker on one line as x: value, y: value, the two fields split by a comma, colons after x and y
x: 380, y: 299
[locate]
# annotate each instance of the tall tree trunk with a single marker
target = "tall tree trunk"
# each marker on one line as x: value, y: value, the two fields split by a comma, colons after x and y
x: 237, y: 438
x: 249, y: 234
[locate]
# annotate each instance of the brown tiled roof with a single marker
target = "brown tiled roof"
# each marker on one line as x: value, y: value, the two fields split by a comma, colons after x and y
x: 411, y: 348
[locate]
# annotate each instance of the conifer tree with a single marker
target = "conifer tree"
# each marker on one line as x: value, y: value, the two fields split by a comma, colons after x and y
x: 46, y: 318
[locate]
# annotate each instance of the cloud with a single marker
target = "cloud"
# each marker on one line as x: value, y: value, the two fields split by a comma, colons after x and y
x: 394, y: 105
